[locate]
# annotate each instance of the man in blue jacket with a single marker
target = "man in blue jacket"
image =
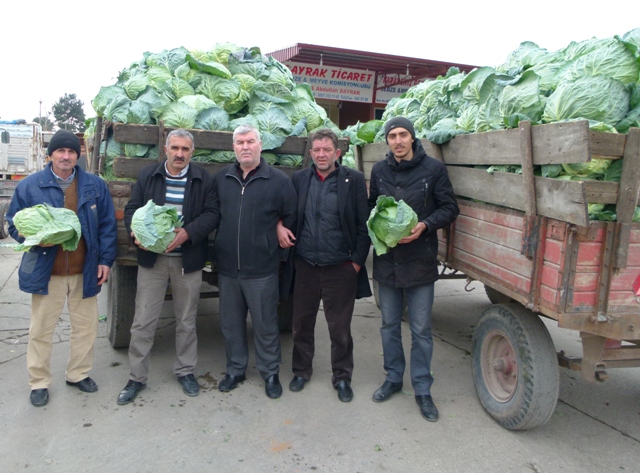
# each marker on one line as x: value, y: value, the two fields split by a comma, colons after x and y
x: 53, y: 275
x: 330, y: 253
x: 189, y: 189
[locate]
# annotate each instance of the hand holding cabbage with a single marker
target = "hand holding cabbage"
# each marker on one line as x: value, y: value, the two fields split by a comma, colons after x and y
x: 46, y: 225
x: 153, y: 226
x: 389, y: 222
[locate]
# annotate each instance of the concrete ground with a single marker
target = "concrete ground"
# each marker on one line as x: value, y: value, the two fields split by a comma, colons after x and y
x: 595, y: 428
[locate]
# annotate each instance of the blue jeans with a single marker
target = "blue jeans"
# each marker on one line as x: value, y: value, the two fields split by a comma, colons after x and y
x: 419, y: 303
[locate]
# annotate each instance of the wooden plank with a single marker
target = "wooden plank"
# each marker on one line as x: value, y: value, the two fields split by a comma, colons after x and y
x: 627, y: 196
x: 607, y: 145
x: 130, y: 167
x: 207, y: 139
x: 374, y: 152
x: 483, y: 269
x: 601, y: 192
x: 497, y: 234
x: 555, y: 143
x: 493, y: 254
x: 497, y: 215
x: 562, y: 200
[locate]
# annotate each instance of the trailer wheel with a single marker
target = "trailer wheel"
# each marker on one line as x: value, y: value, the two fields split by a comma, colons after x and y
x: 496, y: 297
x: 4, y: 227
x: 515, y: 368
x: 121, y: 296
x: 285, y: 314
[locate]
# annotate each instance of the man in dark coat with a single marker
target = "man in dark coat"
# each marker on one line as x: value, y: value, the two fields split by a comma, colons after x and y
x: 251, y: 197
x: 410, y: 268
x: 189, y: 189
x: 330, y: 252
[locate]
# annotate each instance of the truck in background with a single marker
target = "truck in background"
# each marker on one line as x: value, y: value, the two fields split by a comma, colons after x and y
x: 21, y: 154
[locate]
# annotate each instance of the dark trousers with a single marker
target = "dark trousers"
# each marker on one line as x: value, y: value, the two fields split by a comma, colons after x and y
x: 258, y: 296
x: 336, y: 286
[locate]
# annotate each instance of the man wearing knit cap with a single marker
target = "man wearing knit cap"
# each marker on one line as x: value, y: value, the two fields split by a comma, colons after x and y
x: 411, y: 268
x: 54, y: 276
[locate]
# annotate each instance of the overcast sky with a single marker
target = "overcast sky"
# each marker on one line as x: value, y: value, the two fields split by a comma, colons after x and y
x: 52, y: 48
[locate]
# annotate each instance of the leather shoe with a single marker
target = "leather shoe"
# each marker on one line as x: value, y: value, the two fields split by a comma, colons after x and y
x: 39, y: 397
x: 189, y: 385
x: 230, y: 382
x: 297, y: 384
x: 272, y: 387
x: 130, y: 391
x: 345, y: 393
x: 86, y: 385
x: 427, y: 408
x: 385, y: 391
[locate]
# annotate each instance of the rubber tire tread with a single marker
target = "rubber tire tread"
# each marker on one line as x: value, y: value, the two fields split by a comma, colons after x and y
x: 121, y: 296
x: 4, y: 226
x: 536, y: 395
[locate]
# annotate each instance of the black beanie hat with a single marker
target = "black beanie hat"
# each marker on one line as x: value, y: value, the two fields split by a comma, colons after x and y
x: 64, y: 139
x: 399, y: 122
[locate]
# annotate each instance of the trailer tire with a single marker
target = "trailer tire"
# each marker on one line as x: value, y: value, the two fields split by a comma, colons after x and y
x: 4, y: 224
x: 121, y: 296
x: 496, y: 297
x: 515, y: 367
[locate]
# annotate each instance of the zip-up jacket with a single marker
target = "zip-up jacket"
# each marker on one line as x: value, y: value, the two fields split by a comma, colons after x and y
x: 423, y: 183
x: 197, y: 211
x: 353, y: 213
x: 247, y: 215
x: 97, y: 221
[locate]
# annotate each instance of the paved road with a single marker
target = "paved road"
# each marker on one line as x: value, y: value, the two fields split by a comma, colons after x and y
x: 596, y: 428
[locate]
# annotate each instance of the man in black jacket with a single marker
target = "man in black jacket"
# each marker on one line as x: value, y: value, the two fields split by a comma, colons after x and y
x: 330, y: 254
x: 410, y: 268
x: 251, y: 197
x: 189, y: 189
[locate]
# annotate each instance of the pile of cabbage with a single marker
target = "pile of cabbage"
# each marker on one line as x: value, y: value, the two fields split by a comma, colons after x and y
x: 595, y: 80
x: 43, y: 224
x: 210, y: 90
x: 153, y: 226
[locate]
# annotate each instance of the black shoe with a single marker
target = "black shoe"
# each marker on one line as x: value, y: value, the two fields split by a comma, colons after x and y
x: 39, y: 397
x: 230, y: 382
x: 130, y: 391
x: 385, y: 391
x: 272, y: 387
x: 87, y: 385
x: 297, y: 384
x: 189, y: 385
x: 427, y: 408
x: 345, y: 393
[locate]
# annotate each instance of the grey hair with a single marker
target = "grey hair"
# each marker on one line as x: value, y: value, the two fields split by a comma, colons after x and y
x: 182, y: 134
x: 244, y: 129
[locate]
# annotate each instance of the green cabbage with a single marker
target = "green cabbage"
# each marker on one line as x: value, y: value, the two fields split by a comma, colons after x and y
x: 153, y: 226
x: 389, y: 222
x: 44, y: 224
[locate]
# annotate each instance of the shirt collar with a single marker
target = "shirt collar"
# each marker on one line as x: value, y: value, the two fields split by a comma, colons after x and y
x: 69, y: 179
x: 180, y: 174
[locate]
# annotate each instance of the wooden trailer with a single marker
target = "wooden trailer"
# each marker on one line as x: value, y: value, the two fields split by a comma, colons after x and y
x: 529, y: 240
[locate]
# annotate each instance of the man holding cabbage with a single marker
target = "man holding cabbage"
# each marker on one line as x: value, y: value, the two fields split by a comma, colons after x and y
x: 64, y: 218
x: 411, y: 197
x: 170, y: 216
